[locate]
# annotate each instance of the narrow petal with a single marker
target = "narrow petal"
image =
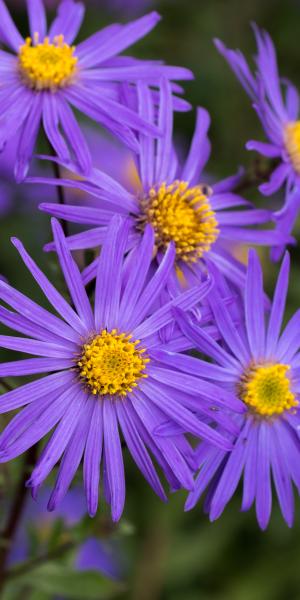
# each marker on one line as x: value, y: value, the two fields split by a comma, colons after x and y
x: 108, y: 282
x: 147, y: 149
x: 72, y: 277
x: 37, y: 18
x: 92, y: 458
x: 35, y: 313
x: 142, y: 256
x: 54, y: 297
x: 263, y: 491
x: 204, y: 342
x: 165, y: 123
x: 254, y: 306
x: 114, y: 459
x: 27, y: 139
x: 8, y: 31
x: 68, y: 21
x: 34, y: 390
x: 72, y: 457
x: 154, y: 288
x: 75, y: 137
x: 200, y: 148
x: 282, y: 482
x: 117, y: 41
x: 23, y: 325
x: 35, y: 421
x: 35, y: 347
x: 137, y: 448
x: 230, y: 476
x: 32, y: 366
x: 182, y: 416
x: 278, y: 306
x: 60, y: 438
x: 169, y: 457
x: 51, y: 123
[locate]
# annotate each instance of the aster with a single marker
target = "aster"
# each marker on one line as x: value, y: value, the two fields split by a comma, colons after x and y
x: 276, y: 102
x: 258, y: 361
x: 202, y: 220
x: 86, y: 403
x: 45, y: 75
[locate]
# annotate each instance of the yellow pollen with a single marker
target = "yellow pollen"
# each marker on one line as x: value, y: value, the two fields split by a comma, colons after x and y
x: 181, y: 214
x: 292, y: 143
x: 266, y: 389
x: 47, y: 65
x: 112, y: 364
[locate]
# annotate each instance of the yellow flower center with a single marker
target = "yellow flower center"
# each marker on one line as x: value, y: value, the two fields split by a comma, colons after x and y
x: 47, y: 66
x: 266, y: 389
x: 181, y: 214
x: 112, y: 364
x: 292, y: 143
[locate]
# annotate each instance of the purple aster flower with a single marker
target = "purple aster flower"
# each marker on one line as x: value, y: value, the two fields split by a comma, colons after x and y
x: 102, y: 555
x: 276, y: 102
x: 200, y: 219
x: 259, y: 363
x: 46, y: 75
x: 102, y: 375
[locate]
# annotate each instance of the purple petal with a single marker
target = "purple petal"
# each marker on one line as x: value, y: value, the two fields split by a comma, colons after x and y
x: 263, y: 491
x: 142, y: 256
x: 230, y: 476
x: 109, y: 275
x: 37, y: 18
x: 117, y: 41
x: 254, y: 306
x: 72, y: 457
x: 34, y: 390
x: 278, y: 306
x: 137, y: 448
x: 73, y: 278
x: 68, y: 21
x: 8, y: 31
x: 200, y: 148
x: 165, y: 123
x: 114, y: 459
x: 54, y: 297
x: 182, y: 416
x: 61, y: 436
x: 92, y: 458
x: 28, y: 137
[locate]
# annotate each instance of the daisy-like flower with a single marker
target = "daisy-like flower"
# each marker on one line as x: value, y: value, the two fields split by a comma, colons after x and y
x: 201, y: 220
x: 45, y: 74
x: 258, y: 363
x: 276, y: 102
x: 102, y: 374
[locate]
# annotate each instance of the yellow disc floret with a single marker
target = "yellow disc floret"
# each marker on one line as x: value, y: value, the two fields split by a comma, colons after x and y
x: 111, y: 363
x: 266, y: 389
x: 292, y: 143
x: 47, y: 65
x: 181, y: 214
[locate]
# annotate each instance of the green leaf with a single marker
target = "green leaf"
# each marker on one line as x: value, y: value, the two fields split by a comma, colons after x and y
x: 61, y: 580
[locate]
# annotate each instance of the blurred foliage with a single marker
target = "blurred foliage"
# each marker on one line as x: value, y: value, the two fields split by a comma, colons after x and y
x: 172, y: 555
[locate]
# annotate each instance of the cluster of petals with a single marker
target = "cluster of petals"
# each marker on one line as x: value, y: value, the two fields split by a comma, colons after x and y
x: 168, y: 348
x: 276, y: 102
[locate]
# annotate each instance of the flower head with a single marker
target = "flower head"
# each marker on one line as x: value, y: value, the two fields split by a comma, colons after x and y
x: 44, y: 75
x: 259, y: 364
x: 104, y: 375
x: 201, y: 220
x: 276, y: 102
